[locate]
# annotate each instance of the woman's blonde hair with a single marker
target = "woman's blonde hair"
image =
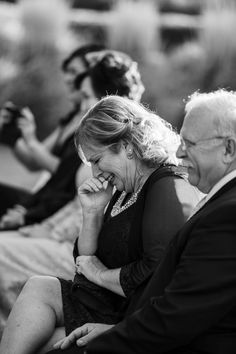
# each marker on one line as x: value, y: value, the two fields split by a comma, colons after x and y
x: 116, y: 119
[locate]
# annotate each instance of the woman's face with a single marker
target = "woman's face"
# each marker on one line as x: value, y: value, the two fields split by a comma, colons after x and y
x: 88, y: 95
x: 74, y: 68
x: 106, y: 163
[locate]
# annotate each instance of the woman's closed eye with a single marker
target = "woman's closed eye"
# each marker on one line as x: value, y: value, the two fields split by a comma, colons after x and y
x: 95, y: 162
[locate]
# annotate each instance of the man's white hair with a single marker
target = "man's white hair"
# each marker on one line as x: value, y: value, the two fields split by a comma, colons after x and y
x: 220, y: 105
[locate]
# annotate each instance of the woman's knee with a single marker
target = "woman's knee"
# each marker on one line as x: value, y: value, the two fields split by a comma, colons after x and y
x: 45, y: 287
x: 46, y: 290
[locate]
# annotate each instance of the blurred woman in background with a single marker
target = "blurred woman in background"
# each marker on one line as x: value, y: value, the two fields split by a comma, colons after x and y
x: 56, y: 154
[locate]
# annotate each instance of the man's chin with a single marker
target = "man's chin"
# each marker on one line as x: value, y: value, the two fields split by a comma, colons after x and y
x: 192, y: 180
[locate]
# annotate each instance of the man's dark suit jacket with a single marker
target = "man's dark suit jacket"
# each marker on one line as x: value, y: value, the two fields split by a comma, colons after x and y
x: 189, y: 305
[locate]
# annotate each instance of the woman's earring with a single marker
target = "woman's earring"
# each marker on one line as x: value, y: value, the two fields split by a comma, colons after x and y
x: 130, y: 155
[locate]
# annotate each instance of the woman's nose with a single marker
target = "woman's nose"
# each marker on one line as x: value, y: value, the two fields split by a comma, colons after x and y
x: 96, y: 171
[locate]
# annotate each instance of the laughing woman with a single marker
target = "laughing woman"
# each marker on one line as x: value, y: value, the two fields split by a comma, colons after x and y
x: 133, y: 150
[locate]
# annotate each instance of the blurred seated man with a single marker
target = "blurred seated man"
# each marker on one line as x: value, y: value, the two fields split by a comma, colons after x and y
x: 56, y: 154
x: 189, y: 305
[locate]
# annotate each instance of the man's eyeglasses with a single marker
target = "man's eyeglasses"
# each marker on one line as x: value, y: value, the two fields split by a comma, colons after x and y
x: 187, y: 144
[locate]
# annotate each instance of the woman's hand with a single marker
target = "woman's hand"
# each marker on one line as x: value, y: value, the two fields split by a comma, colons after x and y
x: 27, y: 126
x: 91, y: 267
x: 14, y: 217
x: 94, y: 194
x: 82, y: 335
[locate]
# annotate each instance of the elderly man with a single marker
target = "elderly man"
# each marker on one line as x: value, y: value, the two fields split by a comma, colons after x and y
x: 189, y: 305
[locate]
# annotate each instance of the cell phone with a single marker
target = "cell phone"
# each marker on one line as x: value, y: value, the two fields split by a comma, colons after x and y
x: 10, y: 132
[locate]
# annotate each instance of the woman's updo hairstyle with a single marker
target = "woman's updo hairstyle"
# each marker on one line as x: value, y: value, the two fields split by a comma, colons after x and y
x: 115, y: 73
x: 115, y: 119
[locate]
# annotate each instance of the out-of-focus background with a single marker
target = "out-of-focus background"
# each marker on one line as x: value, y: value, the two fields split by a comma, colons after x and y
x: 180, y: 46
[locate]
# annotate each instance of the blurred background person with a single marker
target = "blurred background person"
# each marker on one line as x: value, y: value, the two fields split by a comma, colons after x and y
x: 56, y: 154
x: 46, y: 248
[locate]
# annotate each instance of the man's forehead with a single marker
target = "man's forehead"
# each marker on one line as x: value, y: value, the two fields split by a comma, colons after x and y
x: 188, y: 126
x: 198, y: 123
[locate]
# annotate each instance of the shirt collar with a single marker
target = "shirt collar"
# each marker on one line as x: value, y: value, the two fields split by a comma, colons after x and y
x: 223, y: 181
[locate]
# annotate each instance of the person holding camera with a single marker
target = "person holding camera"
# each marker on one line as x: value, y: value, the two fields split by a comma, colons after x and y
x: 56, y: 154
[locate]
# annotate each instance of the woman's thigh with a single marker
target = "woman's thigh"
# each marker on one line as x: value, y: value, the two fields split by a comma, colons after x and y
x: 21, y: 258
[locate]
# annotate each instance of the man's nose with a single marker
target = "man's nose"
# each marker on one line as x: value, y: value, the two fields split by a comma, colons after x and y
x: 180, y: 153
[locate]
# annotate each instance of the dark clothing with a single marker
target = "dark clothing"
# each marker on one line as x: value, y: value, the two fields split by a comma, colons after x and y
x: 72, y: 350
x: 134, y: 240
x: 189, y: 305
x: 59, y: 190
x: 10, y: 196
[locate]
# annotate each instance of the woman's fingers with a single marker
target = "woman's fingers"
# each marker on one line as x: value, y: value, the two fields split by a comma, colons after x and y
x: 96, y: 184
x: 92, y: 185
x: 78, y: 269
x: 26, y: 113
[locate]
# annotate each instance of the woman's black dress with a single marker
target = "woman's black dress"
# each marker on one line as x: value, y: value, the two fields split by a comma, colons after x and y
x: 133, y: 240
x: 59, y: 189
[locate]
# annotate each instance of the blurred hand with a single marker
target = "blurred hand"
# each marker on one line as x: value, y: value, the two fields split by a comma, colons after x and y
x: 94, y: 194
x: 36, y: 231
x: 27, y: 126
x: 82, y: 335
x: 12, y: 218
x: 91, y: 267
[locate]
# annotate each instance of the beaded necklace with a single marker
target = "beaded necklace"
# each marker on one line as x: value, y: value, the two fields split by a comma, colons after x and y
x: 117, y: 208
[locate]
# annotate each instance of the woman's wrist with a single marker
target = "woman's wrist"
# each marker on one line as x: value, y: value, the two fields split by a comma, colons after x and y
x: 92, y: 212
x: 101, y: 277
x: 92, y: 218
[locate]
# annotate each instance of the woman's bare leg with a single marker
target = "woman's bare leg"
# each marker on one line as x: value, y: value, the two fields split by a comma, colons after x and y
x: 34, y: 317
x: 58, y: 334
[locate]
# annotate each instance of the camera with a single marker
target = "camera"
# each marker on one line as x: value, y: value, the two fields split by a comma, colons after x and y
x: 9, y: 132
x: 13, y: 110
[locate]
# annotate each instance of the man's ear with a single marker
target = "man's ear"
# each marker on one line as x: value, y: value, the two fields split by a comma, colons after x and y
x: 230, y: 150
